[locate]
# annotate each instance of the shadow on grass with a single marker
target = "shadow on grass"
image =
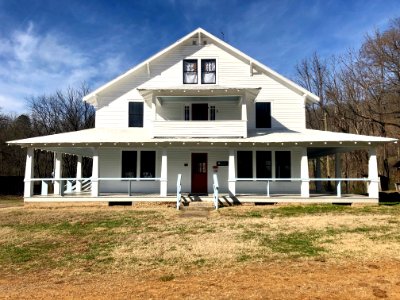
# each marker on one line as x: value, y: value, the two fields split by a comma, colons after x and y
x: 389, y: 198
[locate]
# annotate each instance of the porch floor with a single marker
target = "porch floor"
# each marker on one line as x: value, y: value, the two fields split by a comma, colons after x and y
x: 225, y: 199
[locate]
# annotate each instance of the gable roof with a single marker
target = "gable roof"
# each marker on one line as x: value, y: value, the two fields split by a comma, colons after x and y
x: 308, y: 96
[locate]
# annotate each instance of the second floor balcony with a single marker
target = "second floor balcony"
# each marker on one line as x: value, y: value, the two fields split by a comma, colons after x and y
x: 200, y: 117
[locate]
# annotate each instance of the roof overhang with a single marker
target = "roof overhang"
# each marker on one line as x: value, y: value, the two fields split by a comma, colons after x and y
x: 317, y: 142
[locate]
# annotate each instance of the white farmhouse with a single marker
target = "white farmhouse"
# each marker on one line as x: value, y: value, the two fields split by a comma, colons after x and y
x: 207, y: 111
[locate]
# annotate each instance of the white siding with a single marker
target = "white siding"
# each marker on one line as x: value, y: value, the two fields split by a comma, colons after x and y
x: 166, y: 71
x: 110, y: 166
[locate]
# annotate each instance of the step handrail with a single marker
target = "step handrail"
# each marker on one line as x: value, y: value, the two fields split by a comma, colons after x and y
x: 178, y: 191
x: 216, y: 190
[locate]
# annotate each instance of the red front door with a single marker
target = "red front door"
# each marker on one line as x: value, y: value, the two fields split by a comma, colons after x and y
x: 199, y: 173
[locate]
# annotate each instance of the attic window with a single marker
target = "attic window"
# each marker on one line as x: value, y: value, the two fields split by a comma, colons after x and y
x: 194, y: 42
x: 208, y: 71
x: 190, y: 71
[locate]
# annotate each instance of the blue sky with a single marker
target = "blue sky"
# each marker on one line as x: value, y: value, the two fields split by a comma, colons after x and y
x: 50, y: 45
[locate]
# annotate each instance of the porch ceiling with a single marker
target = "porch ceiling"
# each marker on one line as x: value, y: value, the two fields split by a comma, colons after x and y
x: 199, y: 99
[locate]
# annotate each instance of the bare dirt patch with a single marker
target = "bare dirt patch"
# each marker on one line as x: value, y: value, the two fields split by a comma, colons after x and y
x: 277, y: 280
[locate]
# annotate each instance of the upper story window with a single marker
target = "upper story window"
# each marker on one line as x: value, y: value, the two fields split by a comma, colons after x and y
x: 208, y: 71
x: 263, y: 115
x: 135, y: 114
x: 190, y: 71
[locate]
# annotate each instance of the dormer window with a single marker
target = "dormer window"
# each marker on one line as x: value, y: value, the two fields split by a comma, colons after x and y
x: 208, y: 71
x: 190, y: 71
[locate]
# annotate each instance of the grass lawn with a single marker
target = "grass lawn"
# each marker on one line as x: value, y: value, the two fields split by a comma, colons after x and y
x: 159, y: 245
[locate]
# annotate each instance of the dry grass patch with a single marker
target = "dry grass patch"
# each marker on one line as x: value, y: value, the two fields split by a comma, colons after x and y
x: 156, y: 237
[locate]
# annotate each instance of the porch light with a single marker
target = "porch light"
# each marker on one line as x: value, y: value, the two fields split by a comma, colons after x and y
x: 296, y: 144
x: 311, y: 143
x: 369, y: 143
x: 340, y: 143
x: 325, y: 143
x: 355, y: 143
x: 282, y: 144
x: 115, y: 144
x: 101, y: 144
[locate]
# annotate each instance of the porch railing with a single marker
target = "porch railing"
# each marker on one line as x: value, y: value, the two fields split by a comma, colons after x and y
x: 178, y: 191
x: 68, y: 185
x: 216, y: 191
x: 223, y: 128
x: 269, y: 180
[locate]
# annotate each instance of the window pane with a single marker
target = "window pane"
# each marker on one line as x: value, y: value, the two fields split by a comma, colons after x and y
x: 135, y: 114
x: 190, y: 71
x: 282, y: 164
x: 129, y: 159
x: 147, y: 164
x: 245, y: 164
x: 264, y: 164
x: 263, y: 115
x: 208, y: 71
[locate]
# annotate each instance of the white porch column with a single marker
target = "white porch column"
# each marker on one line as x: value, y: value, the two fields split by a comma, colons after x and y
x: 305, y: 181
x: 338, y: 173
x: 318, y: 184
x: 373, y: 187
x: 95, y: 173
x: 28, y: 185
x: 57, y: 173
x: 164, y: 174
x: 79, y: 174
x: 232, y: 173
x: 244, y: 116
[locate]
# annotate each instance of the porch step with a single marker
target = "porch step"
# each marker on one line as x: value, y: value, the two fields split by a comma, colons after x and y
x: 199, y: 204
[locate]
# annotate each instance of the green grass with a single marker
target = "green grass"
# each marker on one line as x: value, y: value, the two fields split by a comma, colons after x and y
x: 20, y: 254
x: 299, y: 244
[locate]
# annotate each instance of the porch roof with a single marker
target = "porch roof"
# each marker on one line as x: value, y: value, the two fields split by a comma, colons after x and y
x: 123, y: 137
x: 190, y: 90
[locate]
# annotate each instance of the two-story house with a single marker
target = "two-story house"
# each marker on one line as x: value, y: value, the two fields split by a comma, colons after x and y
x: 197, y: 108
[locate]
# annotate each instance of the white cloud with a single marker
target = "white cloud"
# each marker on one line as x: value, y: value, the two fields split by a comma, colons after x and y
x: 35, y: 64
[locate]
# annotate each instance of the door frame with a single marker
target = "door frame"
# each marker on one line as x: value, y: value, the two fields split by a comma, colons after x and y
x: 192, y: 173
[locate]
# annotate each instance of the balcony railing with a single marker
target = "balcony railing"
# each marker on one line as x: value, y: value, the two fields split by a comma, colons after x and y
x: 231, y: 128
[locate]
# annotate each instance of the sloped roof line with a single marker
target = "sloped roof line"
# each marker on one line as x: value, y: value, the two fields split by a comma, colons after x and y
x: 307, y: 94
